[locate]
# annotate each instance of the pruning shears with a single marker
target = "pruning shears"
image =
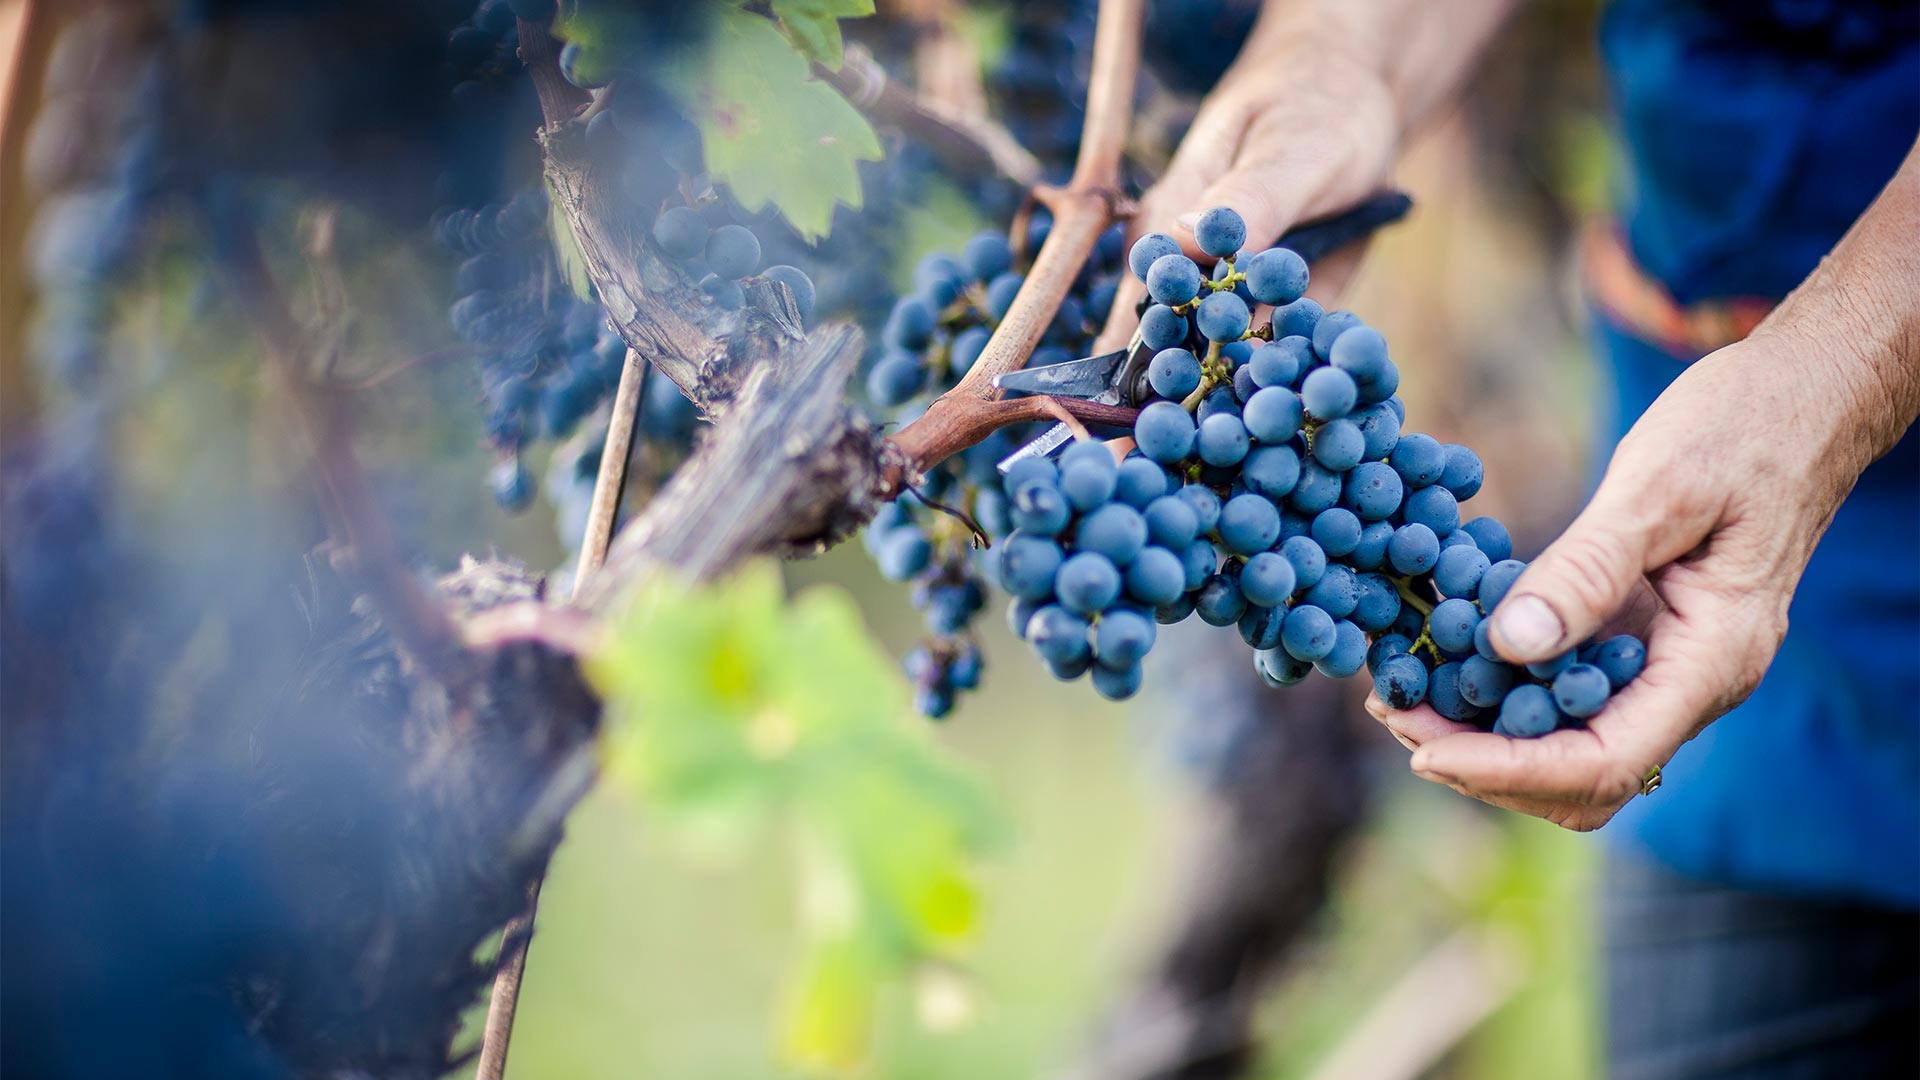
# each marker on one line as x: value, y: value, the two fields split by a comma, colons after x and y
x: 1120, y: 377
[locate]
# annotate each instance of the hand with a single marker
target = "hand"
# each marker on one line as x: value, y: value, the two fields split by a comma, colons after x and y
x: 1301, y: 126
x: 1700, y: 530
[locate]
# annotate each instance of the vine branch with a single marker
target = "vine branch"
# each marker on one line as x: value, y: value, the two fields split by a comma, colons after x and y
x: 970, y: 144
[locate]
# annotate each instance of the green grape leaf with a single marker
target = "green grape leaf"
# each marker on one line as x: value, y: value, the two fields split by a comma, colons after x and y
x: 732, y: 710
x: 775, y: 134
x: 814, y: 25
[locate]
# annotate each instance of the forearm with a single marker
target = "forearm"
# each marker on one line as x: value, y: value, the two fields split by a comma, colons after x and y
x: 1420, y: 49
x: 1855, y: 322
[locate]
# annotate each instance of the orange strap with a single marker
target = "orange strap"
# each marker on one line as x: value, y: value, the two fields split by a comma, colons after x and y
x: 1631, y: 297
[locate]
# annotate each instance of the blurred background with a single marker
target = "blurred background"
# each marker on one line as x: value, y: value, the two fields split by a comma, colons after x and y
x: 1128, y: 931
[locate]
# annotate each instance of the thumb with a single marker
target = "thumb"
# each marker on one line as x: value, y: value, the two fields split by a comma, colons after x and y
x: 1259, y: 192
x: 1580, y: 581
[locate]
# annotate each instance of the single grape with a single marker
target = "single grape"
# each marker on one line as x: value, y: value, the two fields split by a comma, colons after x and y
x: 1419, y: 459
x: 1318, y: 488
x: 1451, y: 625
x: 1276, y: 276
x: 1071, y: 670
x: 1301, y: 318
x: 1372, y: 490
x: 1380, y: 428
x: 728, y: 295
x: 1273, y: 415
x: 1371, y: 552
x: 1443, y: 693
x: 1174, y: 373
x: 1087, y: 583
x: 895, y: 378
x: 1171, y: 522
x: 1282, y: 363
x: 1058, y: 635
x: 1483, y: 640
x: 1621, y: 658
x: 1248, y: 524
x: 1581, y: 690
x: 1271, y: 471
x: 1155, y: 577
x: 1434, y: 507
x: 1328, y: 393
x: 1459, y: 570
x: 1141, y: 256
x: 1222, y: 440
x: 1463, y: 473
x: 1163, y: 328
x: 1308, y: 560
x: 1378, y: 604
x: 1218, y: 400
x: 1205, y: 505
x: 1175, y: 612
x: 1199, y: 561
x: 1220, y: 232
x: 1038, y: 508
x: 1020, y: 611
x: 1488, y: 535
x: 797, y: 283
x: 1029, y: 564
x: 1484, y: 682
x: 1139, y: 482
x: 987, y: 256
x: 1267, y: 579
x: 1086, y: 483
x: 1001, y: 292
x: 1223, y: 317
x: 1164, y: 432
x: 1117, y: 685
x: 1278, y: 668
x: 1400, y: 680
x: 1308, y: 633
x: 1550, y: 668
x: 1349, y: 652
x: 1122, y: 638
x: 903, y: 553
x: 1338, y: 444
x: 1115, y: 530
x: 1337, y: 531
x: 1385, y: 647
x: 1497, y: 580
x: 1220, y: 601
x: 1527, y: 713
x: 1260, y: 627
x: 733, y: 251
x: 1337, y: 592
x: 1329, y: 329
x: 1362, y: 353
x: 681, y: 232
x: 1173, y: 280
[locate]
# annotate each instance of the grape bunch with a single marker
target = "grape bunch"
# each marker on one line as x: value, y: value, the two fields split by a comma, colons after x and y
x: 929, y: 342
x: 1271, y: 489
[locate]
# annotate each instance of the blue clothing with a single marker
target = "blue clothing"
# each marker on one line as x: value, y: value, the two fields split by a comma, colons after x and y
x: 1755, y: 140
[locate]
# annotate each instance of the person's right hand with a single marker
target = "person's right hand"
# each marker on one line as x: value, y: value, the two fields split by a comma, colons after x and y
x: 1301, y: 126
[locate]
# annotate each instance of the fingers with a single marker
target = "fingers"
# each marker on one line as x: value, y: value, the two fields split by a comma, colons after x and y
x: 1596, y: 568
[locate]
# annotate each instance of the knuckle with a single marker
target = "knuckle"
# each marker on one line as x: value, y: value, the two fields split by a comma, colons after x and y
x: 1588, y: 567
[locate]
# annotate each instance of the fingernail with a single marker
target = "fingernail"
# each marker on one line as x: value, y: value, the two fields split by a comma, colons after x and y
x: 1527, y: 626
x: 1188, y: 221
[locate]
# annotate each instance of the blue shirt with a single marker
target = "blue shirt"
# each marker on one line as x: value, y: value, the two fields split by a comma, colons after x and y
x: 1757, y: 131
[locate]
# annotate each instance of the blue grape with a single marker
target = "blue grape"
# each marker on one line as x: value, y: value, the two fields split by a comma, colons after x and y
x: 1260, y: 627
x: 1171, y: 522
x: 1337, y: 592
x: 1174, y: 373
x: 1220, y: 232
x: 1001, y: 292
x: 1419, y: 459
x: 1199, y: 561
x: 1308, y: 633
x: 1318, y: 488
x: 1496, y: 581
x: 1443, y: 693
x: 1059, y: 635
x: 967, y: 346
x: 1173, y: 280
x: 1489, y: 536
x: 1267, y: 579
x: 1339, y: 445
x: 1222, y: 440
x: 1300, y: 318
x: 1451, y: 625
x: 1276, y: 276
x: 1380, y: 428
x: 727, y: 294
x: 681, y: 232
x: 1621, y: 658
x: 1361, y: 352
x: 1220, y: 601
x: 1156, y: 577
x: 1163, y: 328
x: 1371, y: 552
x: 987, y: 256
x: 1141, y: 256
x: 1483, y: 640
x: 1271, y: 471
x: 1459, y: 570
x: 1071, y: 670
x: 1248, y: 524
x: 1527, y: 713
x: 1328, y: 393
x: 1223, y: 317
x: 939, y: 278
x: 1087, y: 582
x: 1115, y: 530
x: 1550, y: 668
x: 1458, y: 538
x: 1372, y: 490
x: 1308, y: 560
x: 1020, y: 612
x: 1282, y: 363
x: 904, y: 552
x: 1273, y: 415
x: 1328, y: 330
x: 896, y: 378
x: 1484, y: 682
x: 1204, y: 504
x: 1164, y: 432
x: 797, y: 283
x: 1175, y: 612
x: 1122, y: 638
x: 1434, y: 507
x: 1401, y: 681
x: 1087, y: 480
x: 733, y: 251
x: 1349, y: 652
x: 1463, y: 473
x: 1139, y: 482
x: 1277, y: 668
x: 1038, y: 508
x: 1219, y: 400
x: 1029, y: 468
x: 1386, y: 646
x: 1378, y: 604
x: 1337, y: 531
x: 1029, y: 564
x: 1581, y: 690
x: 1117, y: 685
